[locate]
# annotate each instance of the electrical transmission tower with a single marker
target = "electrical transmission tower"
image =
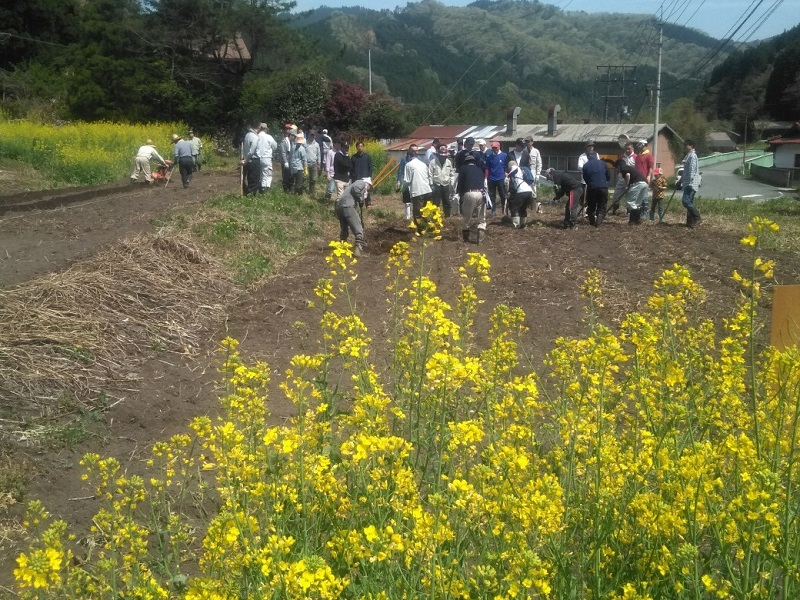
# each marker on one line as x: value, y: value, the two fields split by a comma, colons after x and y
x: 613, y: 79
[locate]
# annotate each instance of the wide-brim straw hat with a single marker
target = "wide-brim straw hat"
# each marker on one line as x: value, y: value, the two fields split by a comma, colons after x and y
x: 301, y: 139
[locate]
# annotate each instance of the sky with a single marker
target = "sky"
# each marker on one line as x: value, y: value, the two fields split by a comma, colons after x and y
x: 718, y: 18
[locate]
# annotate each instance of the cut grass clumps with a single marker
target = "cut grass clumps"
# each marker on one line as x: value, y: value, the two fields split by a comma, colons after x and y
x: 75, y: 333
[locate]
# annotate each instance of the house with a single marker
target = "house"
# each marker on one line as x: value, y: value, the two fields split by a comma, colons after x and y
x: 786, y: 160
x: 560, y: 144
x: 721, y: 141
x: 447, y: 134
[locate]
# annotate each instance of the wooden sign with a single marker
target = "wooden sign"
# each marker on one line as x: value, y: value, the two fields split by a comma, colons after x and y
x: 785, y: 316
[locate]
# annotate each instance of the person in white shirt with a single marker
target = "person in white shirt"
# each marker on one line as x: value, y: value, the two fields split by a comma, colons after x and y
x: 520, y: 196
x: 251, y: 163
x: 141, y: 163
x: 265, y: 150
x: 313, y: 159
x: 197, y: 148
x: 431, y: 152
x: 417, y: 179
x: 329, y: 156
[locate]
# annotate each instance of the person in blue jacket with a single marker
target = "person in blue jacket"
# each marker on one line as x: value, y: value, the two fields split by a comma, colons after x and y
x: 496, y: 162
x: 596, y: 175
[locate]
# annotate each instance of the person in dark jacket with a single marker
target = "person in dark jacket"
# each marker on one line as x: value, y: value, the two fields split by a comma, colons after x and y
x: 469, y: 148
x: 571, y: 188
x: 596, y: 175
x: 362, y: 164
x: 342, y: 166
x: 471, y: 190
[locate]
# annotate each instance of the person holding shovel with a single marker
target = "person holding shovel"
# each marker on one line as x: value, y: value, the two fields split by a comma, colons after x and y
x: 348, y: 204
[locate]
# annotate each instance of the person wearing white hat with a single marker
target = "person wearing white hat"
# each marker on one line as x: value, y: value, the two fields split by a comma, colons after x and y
x: 284, y: 147
x: 141, y: 163
x: 326, y: 142
x: 440, y: 169
x: 354, y: 195
x: 298, y: 162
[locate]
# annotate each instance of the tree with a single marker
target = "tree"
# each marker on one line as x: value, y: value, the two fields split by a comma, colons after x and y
x: 688, y: 122
x: 294, y: 96
x: 344, y: 104
x: 381, y: 117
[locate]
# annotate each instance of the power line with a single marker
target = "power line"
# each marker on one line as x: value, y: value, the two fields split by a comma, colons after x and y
x: 716, y: 51
x: 5, y: 34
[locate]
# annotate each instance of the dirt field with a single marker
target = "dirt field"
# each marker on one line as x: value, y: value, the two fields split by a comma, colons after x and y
x: 539, y: 269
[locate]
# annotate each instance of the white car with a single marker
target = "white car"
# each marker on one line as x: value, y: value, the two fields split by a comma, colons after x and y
x: 679, y: 174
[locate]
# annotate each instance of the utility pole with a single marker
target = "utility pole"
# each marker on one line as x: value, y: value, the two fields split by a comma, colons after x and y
x: 658, y: 92
x: 369, y: 63
x: 618, y: 75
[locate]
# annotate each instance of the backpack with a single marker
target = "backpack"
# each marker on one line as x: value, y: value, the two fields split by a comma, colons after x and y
x: 527, y: 174
x: 512, y: 182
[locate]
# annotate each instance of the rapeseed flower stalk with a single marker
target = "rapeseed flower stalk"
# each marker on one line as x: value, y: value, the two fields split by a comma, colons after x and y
x: 653, y: 462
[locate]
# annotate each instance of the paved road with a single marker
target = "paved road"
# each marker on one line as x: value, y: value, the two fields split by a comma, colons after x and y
x: 719, y: 181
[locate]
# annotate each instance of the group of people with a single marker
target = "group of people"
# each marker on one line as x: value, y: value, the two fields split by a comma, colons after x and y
x: 187, y: 154
x: 304, y: 160
x: 639, y: 182
x: 460, y: 178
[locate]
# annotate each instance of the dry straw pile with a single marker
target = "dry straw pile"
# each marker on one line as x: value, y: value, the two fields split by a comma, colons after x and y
x: 80, y: 333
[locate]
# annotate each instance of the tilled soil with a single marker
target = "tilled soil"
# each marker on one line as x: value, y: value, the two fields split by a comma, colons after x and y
x: 539, y: 269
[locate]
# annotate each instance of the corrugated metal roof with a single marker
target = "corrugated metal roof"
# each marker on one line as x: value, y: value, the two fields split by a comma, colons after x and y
x: 566, y: 132
x: 579, y: 132
x: 423, y: 136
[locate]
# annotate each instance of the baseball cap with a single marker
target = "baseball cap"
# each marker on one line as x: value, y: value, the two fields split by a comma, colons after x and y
x: 481, y: 142
x: 324, y: 131
x: 519, y: 142
x: 494, y: 144
x: 590, y: 142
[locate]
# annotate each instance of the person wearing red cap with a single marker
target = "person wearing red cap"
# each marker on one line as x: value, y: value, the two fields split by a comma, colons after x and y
x: 496, y: 163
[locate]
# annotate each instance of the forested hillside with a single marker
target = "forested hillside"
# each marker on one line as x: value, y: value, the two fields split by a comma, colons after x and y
x: 496, y: 54
x: 756, y: 84
x: 221, y: 64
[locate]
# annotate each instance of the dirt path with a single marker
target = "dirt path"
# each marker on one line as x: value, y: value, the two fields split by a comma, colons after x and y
x: 539, y: 269
x: 39, y: 241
